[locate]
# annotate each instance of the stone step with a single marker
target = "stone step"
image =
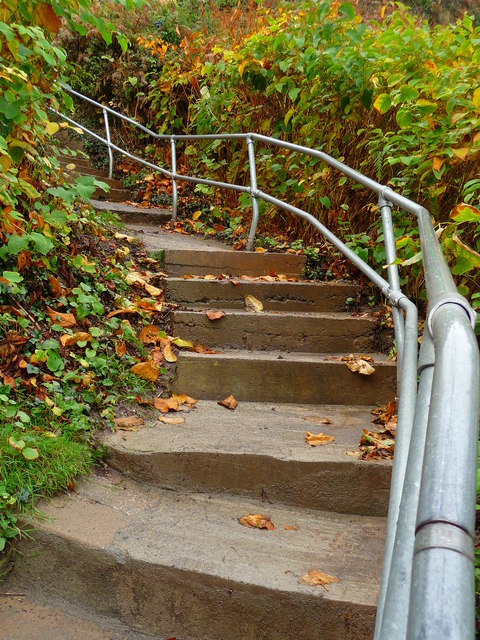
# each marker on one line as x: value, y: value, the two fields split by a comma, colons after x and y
x: 131, y: 214
x: 278, y: 376
x: 113, y: 195
x: 178, y: 262
x: 112, y: 183
x: 29, y: 617
x: 259, y: 450
x: 275, y: 296
x: 181, y: 566
x: 78, y: 160
x: 289, y: 330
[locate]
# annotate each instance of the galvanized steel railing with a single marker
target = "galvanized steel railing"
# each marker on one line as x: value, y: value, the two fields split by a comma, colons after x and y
x: 427, y: 590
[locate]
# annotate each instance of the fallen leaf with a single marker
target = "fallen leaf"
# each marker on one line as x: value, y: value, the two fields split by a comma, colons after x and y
x: 359, y: 364
x: 128, y: 423
x: 153, y: 291
x: 146, y: 370
x: 171, y: 419
x: 118, y: 312
x: 314, y: 577
x: 70, y: 340
x: 123, y: 236
x: 184, y: 399
x: 229, y: 403
x: 62, y: 319
x: 209, y: 277
x: 318, y: 439
x: 183, y: 344
x: 260, y: 250
x: 120, y: 349
x: 252, y: 304
x: 196, y: 215
x: 257, y: 521
x: 201, y: 348
x: 384, y: 414
x: 290, y: 527
x: 151, y: 334
x: 165, y: 404
x: 215, y: 315
x: 168, y: 353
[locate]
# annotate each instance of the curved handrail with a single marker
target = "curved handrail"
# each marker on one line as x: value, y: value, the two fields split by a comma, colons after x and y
x: 427, y: 579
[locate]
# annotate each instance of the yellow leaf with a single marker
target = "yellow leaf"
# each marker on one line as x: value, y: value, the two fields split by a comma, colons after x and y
x: 315, y: 577
x: 438, y: 163
x: 146, y: 370
x: 476, y: 97
x: 153, y: 291
x: 318, y: 439
x: 168, y: 353
x: 359, y: 364
x: 461, y: 153
x: 257, y: 521
x: 70, y: 340
x: 196, y: 215
x: 260, y: 250
x: 51, y: 128
x: 183, y: 344
x: 253, y: 304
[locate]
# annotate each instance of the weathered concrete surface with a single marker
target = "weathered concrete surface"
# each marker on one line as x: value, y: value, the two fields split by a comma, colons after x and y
x: 259, y: 450
x: 232, y: 263
x: 293, y: 331
x: 273, y: 376
x: 129, y: 213
x: 275, y: 296
x: 182, y: 566
x: 25, y: 618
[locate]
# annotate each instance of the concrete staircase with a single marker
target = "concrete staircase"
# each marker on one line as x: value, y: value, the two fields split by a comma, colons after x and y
x: 153, y: 547
x: 82, y: 166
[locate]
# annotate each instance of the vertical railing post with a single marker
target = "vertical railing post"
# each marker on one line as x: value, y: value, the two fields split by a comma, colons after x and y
x: 253, y: 190
x: 107, y: 135
x: 393, y: 275
x: 174, y: 178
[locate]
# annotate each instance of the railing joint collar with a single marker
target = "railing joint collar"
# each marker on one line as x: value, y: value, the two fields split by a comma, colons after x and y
x: 456, y: 299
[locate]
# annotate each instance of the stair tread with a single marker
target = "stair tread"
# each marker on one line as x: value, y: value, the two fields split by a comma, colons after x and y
x: 298, y: 356
x: 274, y: 313
x: 254, y: 428
x: 200, y: 534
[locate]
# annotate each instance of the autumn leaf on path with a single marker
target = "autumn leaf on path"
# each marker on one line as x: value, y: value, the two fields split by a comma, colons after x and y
x: 129, y: 423
x: 315, y: 577
x: 229, y: 403
x: 165, y: 404
x: 70, y: 340
x: 318, y: 439
x: 146, y: 370
x: 257, y: 521
x: 62, y: 319
x: 183, y: 399
x: 290, y: 527
x: 215, y: 315
x: 183, y: 344
x: 359, y: 364
x: 253, y: 304
x: 316, y: 420
x: 384, y: 414
x: 171, y: 419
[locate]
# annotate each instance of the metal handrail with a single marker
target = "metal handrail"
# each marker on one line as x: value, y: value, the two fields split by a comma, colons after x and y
x: 427, y: 588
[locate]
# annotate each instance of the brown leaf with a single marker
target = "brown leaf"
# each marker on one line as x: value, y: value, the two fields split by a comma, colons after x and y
x: 118, y: 312
x: 257, y: 521
x: 70, y: 340
x: 62, y: 319
x: 290, y: 527
x: 23, y: 259
x: 171, y: 419
x: 315, y: 577
x: 129, y: 423
x: 168, y: 353
x: 150, y: 334
x: 165, y: 404
x: 319, y: 439
x: 253, y: 304
x: 260, y: 250
x: 47, y: 17
x: 201, y: 348
x: 184, y: 399
x: 215, y: 315
x: 229, y: 403
x: 55, y: 286
x: 359, y: 364
x: 384, y: 414
x: 120, y: 348
x: 153, y: 291
x: 146, y: 370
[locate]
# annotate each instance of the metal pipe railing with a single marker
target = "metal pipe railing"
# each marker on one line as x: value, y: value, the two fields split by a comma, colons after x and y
x: 427, y: 579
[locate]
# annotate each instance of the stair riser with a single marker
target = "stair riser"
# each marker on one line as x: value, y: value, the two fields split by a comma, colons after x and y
x: 114, y: 195
x: 175, y: 603
x: 275, y: 296
x: 84, y: 170
x: 282, y: 381
x: 179, y: 262
x: 329, y: 486
x: 113, y: 184
x: 267, y: 332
